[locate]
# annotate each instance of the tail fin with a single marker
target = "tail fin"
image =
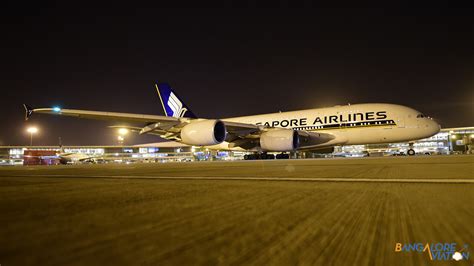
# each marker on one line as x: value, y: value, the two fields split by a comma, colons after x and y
x: 172, y: 104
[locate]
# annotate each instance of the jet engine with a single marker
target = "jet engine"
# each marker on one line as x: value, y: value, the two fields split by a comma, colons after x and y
x: 203, y: 133
x: 279, y: 140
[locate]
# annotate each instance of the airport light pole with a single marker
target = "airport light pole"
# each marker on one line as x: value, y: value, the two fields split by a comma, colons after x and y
x: 32, y: 130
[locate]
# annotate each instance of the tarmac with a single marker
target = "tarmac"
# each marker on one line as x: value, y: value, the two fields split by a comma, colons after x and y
x: 279, y: 212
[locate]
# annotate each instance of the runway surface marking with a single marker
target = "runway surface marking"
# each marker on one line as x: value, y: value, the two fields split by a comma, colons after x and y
x: 336, y: 179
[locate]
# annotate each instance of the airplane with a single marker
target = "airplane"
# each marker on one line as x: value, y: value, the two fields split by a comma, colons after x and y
x: 311, y: 129
x: 72, y: 158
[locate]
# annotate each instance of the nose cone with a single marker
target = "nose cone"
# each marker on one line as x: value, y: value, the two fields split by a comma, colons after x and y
x: 434, y: 127
x: 428, y: 128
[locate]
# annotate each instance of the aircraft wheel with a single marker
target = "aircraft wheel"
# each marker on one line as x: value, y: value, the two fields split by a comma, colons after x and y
x: 411, y: 152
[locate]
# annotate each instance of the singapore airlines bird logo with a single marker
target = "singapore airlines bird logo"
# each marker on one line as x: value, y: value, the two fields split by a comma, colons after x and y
x: 176, y: 106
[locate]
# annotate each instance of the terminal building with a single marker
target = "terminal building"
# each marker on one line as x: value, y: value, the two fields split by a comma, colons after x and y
x: 447, y: 141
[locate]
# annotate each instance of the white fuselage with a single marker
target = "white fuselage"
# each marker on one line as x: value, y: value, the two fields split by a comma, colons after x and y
x: 353, y: 124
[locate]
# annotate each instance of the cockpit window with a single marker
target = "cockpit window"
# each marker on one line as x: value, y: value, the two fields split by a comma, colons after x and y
x: 420, y: 116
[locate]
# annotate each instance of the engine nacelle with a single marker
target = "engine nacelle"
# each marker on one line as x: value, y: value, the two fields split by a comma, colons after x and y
x: 279, y: 140
x: 203, y: 133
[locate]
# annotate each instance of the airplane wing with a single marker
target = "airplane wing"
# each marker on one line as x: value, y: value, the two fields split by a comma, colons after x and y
x: 98, y: 115
x: 246, y: 136
x: 167, y: 127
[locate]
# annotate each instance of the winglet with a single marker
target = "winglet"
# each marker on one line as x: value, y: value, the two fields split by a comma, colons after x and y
x: 172, y: 104
x: 28, y: 111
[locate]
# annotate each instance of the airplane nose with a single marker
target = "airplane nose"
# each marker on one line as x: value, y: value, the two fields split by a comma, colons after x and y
x: 435, y: 126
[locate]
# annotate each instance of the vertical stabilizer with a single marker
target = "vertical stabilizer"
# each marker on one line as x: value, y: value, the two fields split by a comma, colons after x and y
x: 172, y: 104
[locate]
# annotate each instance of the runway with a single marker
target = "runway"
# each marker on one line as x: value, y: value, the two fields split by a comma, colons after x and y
x: 312, y: 212
x: 293, y: 179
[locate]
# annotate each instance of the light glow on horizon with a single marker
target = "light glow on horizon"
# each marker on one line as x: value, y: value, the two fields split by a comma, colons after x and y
x: 32, y: 130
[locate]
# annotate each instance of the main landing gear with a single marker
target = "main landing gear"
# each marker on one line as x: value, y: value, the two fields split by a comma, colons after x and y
x: 265, y: 156
x: 283, y: 156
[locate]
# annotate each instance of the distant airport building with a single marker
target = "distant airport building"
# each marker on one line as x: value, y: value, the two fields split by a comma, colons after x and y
x: 447, y: 141
x: 37, y: 155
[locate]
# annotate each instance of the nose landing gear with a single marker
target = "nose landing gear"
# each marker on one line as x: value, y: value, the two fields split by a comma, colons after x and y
x: 411, y: 151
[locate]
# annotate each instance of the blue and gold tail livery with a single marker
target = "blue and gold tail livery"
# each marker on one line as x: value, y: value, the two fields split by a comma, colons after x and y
x: 172, y: 104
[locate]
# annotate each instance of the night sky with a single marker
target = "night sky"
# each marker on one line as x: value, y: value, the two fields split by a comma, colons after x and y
x: 228, y: 62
